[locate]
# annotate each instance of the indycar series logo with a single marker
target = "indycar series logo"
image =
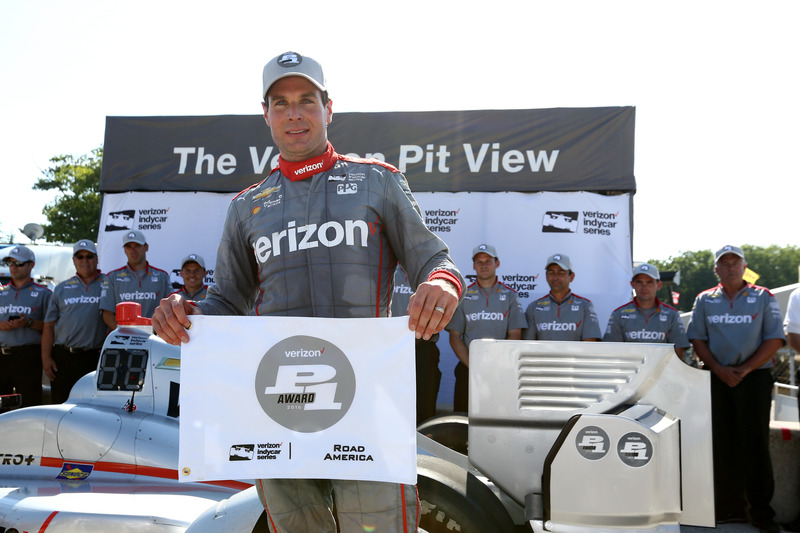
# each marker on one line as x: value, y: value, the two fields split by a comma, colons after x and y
x: 592, y: 222
x: 305, y: 384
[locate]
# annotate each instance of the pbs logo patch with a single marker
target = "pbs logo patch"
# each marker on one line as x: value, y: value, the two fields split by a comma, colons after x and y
x: 305, y: 384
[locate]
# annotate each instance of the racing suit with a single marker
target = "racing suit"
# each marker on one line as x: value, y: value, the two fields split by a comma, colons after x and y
x: 322, y: 238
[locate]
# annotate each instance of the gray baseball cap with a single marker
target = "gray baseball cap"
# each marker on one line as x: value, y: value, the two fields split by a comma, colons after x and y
x: 193, y: 258
x: 84, y: 244
x: 133, y: 236
x: 728, y: 249
x: 484, y: 249
x: 292, y: 64
x: 23, y: 254
x: 648, y: 270
x: 560, y: 260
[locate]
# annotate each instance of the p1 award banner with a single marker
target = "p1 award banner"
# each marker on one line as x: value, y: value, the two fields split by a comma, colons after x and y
x: 296, y: 397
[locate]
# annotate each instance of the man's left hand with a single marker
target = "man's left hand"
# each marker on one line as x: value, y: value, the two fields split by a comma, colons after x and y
x: 431, y: 307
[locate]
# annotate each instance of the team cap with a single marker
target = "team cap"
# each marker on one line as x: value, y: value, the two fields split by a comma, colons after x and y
x: 84, y: 244
x: 560, y: 260
x: 23, y: 254
x: 484, y: 249
x: 728, y: 249
x: 193, y: 258
x: 292, y: 64
x: 134, y: 236
x: 648, y: 270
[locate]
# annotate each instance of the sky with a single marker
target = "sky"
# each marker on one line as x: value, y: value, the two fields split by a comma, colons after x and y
x: 715, y: 86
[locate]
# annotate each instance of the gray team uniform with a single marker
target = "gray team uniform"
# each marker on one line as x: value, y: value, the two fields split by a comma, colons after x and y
x: 487, y: 314
x: 735, y: 329
x: 32, y: 301
x: 75, y: 308
x: 79, y: 331
x: 125, y: 285
x: 20, y: 348
x: 483, y: 314
x: 574, y: 319
x: 199, y: 294
x: 326, y: 244
x: 661, y: 324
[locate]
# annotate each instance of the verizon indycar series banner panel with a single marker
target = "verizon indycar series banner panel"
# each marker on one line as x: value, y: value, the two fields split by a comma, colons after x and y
x: 288, y: 397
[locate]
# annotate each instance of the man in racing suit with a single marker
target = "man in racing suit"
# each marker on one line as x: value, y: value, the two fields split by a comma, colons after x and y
x: 321, y: 236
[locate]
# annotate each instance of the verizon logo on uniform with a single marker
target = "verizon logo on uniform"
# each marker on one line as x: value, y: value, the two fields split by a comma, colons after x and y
x: 730, y: 319
x: 294, y: 238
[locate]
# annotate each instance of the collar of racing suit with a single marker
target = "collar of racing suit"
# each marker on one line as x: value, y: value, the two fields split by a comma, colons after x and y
x: 299, y: 170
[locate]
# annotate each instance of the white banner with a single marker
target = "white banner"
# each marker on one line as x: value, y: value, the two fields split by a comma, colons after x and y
x: 594, y: 230
x: 287, y: 397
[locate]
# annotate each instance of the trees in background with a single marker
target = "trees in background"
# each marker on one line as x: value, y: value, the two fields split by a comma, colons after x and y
x: 75, y: 212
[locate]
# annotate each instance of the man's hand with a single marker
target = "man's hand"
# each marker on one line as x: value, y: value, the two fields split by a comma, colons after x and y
x: 431, y: 307
x: 21, y: 322
x: 170, y: 320
x: 49, y: 367
x: 730, y: 375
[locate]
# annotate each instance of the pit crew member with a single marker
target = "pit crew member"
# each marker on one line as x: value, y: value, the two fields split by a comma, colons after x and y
x: 193, y: 272
x: 735, y: 330
x: 646, y: 318
x: 561, y: 315
x: 137, y: 281
x: 74, y: 330
x: 23, y: 304
x: 489, y: 310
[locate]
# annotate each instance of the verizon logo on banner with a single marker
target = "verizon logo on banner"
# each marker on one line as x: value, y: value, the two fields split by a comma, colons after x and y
x: 297, y: 397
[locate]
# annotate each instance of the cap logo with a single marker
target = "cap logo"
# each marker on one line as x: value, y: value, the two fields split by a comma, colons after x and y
x: 557, y: 257
x: 15, y: 250
x: 289, y: 60
x: 645, y: 267
x: 82, y: 244
x: 482, y: 246
x: 192, y: 256
x: 727, y: 248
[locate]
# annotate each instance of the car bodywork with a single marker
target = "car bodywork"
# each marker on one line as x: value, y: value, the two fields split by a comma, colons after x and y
x: 107, y: 459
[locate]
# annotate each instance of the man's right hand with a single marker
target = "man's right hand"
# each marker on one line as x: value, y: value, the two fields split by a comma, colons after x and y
x: 170, y: 320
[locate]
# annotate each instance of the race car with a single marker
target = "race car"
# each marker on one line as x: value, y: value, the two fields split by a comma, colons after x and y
x: 560, y: 437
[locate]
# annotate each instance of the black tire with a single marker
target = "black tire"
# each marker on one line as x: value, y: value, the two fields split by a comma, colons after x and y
x: 449, y: 430
x: 452, y: 499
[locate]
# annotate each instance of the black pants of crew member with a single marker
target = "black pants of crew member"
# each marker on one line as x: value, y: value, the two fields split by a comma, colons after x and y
x: 742, y: 464
x: 22, y: 370
x: 428, y: 378
x: 72, y: 366
x: 461, y: 390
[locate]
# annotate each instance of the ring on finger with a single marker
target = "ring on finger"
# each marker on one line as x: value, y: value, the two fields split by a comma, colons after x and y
x: 439, y: 309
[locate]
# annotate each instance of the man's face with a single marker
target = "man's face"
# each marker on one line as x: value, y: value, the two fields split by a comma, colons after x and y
x: 136, y: 253
x: 85, y: 263
x: 20, y: 272
x: 558, y: 278
x: 193, y: 275
x: 730, y: 269
x: 297, y: 118
x: 485, y: 266
x: 645, y: 288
